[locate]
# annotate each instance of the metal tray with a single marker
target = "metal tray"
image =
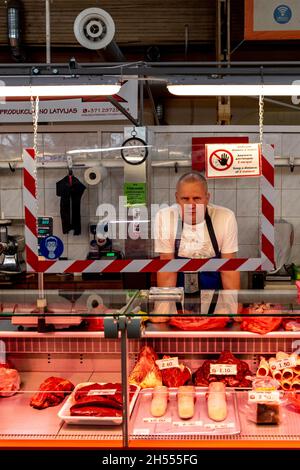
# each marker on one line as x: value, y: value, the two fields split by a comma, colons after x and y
x: 142, y: 422
x: 64, y: 412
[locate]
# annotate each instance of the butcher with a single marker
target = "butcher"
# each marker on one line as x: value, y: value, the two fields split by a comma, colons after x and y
x: 194, y: 228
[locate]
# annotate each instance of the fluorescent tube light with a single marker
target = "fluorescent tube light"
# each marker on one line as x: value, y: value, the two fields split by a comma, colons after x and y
x: 103, y: 149
x: 234, y: 90
x: 59, y: 90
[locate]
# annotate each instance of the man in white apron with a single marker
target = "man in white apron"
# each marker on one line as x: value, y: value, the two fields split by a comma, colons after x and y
x: 195, y: 229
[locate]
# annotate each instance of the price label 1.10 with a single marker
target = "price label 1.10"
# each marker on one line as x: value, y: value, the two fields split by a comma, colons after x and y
x: 223, y: 369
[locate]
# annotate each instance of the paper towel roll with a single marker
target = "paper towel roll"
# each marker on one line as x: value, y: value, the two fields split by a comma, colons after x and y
x: 94, y: 175
x: 94, y: 301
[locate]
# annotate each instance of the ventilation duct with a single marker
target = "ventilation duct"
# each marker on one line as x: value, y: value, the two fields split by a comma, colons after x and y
x: 14, y: 20
x: 94, y: 29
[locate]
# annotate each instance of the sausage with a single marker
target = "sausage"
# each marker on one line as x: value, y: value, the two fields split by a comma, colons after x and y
x: 216, y: 401
x: 186, y: 401
x: 159, y: 401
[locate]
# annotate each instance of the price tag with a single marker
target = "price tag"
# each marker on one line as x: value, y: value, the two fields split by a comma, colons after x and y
x: 256, y: 397
x: 167, y: 363
x: 284, y: 363
x: 184, y: 424
x: 223, y: 369
x: 219, y: 425
x: 91, y: 393
x: 144, y: 431
x: 157, y: 420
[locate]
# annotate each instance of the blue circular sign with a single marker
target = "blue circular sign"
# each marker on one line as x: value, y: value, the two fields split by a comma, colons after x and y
x: 51, y: 247
x: 282, y: 14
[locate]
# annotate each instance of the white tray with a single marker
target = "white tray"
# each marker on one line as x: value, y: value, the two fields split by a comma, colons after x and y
x: 64, y: 412
x: 142, y: 422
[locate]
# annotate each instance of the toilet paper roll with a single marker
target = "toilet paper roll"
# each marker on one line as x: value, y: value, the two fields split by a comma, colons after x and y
x: 94, y: 301
x: 94, y: 175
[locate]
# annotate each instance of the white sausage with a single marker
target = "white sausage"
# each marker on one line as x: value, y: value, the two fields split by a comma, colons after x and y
x: 159, y: 401
x: 186, y: 401
x: 216, y: 401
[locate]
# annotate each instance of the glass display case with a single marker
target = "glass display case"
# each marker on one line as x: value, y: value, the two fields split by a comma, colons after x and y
x: 52, y: 346
x: 150, y: 368
x: 231, y: 360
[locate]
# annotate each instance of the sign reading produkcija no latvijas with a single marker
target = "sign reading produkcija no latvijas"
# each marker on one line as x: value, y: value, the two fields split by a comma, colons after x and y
x: 82, y: 108
x: 232, y: 160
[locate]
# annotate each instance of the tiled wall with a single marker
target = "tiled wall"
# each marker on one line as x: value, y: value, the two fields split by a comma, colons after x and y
x: 11, y: 197
x: 242, y: 196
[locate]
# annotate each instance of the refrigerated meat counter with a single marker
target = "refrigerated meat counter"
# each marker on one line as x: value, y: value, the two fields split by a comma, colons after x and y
x: 163, y: 355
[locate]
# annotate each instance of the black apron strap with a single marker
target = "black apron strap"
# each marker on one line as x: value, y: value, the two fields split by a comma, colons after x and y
x: 213, y: 303
x: 211, y: 233
x: 178, y: 236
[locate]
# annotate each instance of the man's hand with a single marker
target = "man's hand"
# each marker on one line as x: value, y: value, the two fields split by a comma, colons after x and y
x: 230, y: 279
x: 166, y: 279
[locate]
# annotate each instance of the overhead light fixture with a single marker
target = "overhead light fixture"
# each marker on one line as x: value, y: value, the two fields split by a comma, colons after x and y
x: 103, y: 149
x: 234, y: 86
x: 56, y: 90
x: 58, y: 86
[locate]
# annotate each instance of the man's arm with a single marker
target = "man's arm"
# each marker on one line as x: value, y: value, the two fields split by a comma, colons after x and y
x: 230, y: 279
x: 166, y: 279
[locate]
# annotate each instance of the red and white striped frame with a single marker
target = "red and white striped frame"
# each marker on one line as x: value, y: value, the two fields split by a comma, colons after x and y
x: 265, y: 262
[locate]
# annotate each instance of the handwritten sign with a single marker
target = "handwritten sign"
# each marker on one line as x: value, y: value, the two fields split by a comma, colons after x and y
x: 223, y: 369
x: 92, y: 393
x: 219, y: 425
x: 184, y: 424
x: 157, y: 420
x: 167, y: 363
x: 284, y: 363
x: 264, y: 397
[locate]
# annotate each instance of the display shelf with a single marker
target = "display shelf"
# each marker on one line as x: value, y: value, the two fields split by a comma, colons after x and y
x: 19, y: 421
x: 286, y: 434
x: 164, y: 330
x: 56, y: 334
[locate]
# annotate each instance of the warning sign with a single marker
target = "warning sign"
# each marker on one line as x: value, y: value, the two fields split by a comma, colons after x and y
x: 232, y: 161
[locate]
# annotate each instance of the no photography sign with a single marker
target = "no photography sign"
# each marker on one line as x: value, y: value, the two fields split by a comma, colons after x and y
x: 232, y: 160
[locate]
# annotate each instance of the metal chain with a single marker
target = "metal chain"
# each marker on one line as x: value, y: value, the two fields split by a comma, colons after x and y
x: 261, y: 119
x: 35, y: 118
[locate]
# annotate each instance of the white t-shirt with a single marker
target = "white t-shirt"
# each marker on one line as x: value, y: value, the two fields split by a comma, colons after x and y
x: 195, y: 241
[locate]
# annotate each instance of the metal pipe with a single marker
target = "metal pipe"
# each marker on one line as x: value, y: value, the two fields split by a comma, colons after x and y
x: 150, y: 94
x: 228, y: 46
x: 279, y: 161
x: 113, y: 101
x: 113, y: 52
x: 141, y: 104
x: 48, y: 33
x: 125, y: 386
x: 14, y: 19
x: 186, y: 39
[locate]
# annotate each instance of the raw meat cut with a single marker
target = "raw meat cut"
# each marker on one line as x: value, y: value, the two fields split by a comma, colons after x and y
x: 101, y: 400
x: 175, y: 376
x: 203, y: 377
x: 9, y: 381
x: 146, y: 373
x: 291, y: 324
x: 92, y: 389
x: 51, y: 392
x: 261, y: 324
x: 192, y: 323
